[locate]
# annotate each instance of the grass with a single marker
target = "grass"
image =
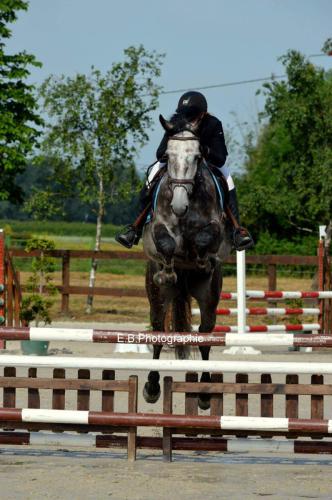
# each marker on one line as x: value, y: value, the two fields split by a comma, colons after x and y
x: 56, y: 228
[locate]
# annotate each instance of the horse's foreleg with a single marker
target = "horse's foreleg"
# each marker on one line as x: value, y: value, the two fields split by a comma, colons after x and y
x: 165, y: 246
x: 207, y: 241
x: 204, y: 399
x: 208, y: 320
x: 207, y: 296
x: 151, y: 391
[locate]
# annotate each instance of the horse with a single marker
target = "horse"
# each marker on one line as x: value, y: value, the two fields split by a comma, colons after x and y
x: 185, y: 241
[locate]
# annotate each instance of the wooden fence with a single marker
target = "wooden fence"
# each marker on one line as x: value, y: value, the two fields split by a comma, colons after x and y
x: 270, y: 262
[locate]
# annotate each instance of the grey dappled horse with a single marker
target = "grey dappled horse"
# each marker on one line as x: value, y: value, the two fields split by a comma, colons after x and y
x: 185, y: 242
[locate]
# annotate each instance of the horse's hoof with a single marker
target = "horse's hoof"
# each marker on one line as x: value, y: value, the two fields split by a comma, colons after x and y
x: 150, y: 398
x: 204, y: 404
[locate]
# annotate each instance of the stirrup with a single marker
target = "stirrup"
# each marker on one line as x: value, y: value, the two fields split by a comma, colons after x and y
x: 129, y: 237
x: 245, y: 242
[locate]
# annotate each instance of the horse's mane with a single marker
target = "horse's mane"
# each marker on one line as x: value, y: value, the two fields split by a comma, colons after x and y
x: 202, y: 190
x: 182, y: 121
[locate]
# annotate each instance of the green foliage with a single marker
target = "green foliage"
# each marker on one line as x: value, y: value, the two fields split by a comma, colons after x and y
x: 40, y: 188
x: 269, y: 244
x: 18, y: 115
x: 75, y: 229
x: 327, y: 47
x: 97, y: 125
x: 286, y: 190
x: 36, y: 306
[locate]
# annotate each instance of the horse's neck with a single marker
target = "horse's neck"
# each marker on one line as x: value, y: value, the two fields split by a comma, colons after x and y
x: 205, y: 189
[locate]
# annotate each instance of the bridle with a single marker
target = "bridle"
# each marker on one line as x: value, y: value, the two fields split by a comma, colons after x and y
x: 180, y: 182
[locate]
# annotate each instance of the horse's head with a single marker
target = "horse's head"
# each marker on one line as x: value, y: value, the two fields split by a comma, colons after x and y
x: 184, y: 155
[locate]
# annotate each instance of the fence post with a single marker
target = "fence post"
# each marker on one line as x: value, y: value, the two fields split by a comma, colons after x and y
x: 241, y: 305
x: 320, y: 255
x: 65, y: 282
x: 272, y: 281
x: 2, y: 283
x: 327, y: 307
x: 17, y: 300
x: 272, y: 276
x: 10, y: 294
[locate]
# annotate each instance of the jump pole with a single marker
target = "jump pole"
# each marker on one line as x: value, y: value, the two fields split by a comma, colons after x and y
x: 222, y: 339
x: 166, y: 365
x: 308, y: 426
x: 262, y: 311
x: 241, y: 305
x: 278, y: 295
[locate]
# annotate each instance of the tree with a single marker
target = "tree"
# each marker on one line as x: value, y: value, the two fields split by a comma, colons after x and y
x: 18, y: 115
x: 287, y: 186
x: 35, y: 307
x: 97, y: 125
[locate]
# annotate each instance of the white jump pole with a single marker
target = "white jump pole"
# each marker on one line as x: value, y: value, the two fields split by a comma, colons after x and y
x: 241, y: 305
x: 178, y: 365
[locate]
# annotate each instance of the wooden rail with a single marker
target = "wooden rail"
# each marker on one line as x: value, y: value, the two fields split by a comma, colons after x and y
x: 66, y: 289
x: 56, y: 388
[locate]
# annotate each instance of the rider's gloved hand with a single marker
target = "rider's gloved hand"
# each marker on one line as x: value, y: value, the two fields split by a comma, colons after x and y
x: 205, y: 151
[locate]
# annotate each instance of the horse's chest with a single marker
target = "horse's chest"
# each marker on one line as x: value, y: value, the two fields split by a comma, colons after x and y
x: 194, y: 222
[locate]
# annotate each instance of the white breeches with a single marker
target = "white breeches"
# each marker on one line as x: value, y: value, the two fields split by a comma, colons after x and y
x: 156, y: 167
x: 225, y: 171
x: 227, y: 174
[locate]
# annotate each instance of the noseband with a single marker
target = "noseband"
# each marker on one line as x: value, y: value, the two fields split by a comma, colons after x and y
x: 173, y: 180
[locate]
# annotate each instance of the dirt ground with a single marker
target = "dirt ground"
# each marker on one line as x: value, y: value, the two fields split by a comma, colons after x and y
x: 97, y: 476
x: 38, y: 473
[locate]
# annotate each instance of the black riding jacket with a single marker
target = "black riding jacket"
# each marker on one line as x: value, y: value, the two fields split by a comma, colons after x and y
x: 212, y: 140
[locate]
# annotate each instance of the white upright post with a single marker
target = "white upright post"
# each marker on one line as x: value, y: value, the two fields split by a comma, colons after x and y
x: 241, y: 291
x: 322, y: 232
x: 241, y: 305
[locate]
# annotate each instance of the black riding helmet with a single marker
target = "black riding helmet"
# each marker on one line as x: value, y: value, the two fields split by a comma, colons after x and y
x: 192, y: 104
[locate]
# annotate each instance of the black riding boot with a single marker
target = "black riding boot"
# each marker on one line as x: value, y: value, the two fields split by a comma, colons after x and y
x: 242, y: 239
x: 129, y: 237
x: 133, y: 232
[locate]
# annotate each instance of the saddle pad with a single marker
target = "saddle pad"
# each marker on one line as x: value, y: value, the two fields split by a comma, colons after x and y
x: 154, y: 201
x: 219, y: 189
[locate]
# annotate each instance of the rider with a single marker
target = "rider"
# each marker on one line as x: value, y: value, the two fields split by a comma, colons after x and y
x: 193, y: 106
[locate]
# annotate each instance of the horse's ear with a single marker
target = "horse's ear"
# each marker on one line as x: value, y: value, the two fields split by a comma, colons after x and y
x: 168, y: 126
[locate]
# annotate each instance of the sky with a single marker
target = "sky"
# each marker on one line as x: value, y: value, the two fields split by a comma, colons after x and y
x: 206, y: 42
